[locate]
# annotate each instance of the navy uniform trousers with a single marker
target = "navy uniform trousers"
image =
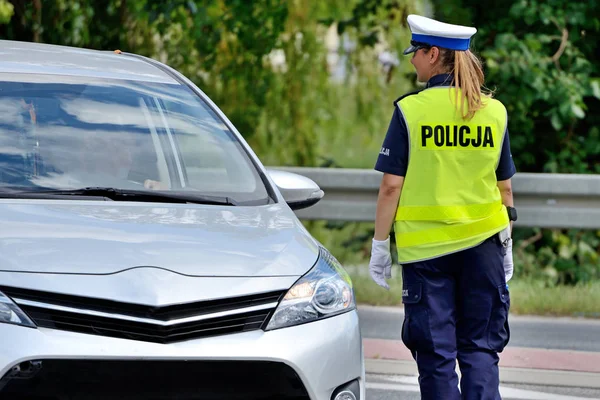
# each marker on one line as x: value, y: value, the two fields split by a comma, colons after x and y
x: 456, y: 308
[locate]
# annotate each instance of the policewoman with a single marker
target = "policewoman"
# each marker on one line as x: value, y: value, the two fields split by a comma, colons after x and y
x: 446, y: 191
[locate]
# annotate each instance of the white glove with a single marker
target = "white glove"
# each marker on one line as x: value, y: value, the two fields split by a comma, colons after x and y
x: 508, y: 260
x: 380, y: 265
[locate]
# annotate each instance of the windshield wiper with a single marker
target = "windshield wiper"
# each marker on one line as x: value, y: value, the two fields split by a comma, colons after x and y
x: 121, y: 195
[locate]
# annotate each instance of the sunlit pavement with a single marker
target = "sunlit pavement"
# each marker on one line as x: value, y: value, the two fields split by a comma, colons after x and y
x: 398, y: 387
x: 548, y: 358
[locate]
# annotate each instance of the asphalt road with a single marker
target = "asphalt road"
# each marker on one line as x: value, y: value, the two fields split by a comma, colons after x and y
x: 534, y: 332
x: 383, y: 387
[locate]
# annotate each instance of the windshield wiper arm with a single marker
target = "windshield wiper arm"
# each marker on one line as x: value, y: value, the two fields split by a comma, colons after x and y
x: 123, y: 195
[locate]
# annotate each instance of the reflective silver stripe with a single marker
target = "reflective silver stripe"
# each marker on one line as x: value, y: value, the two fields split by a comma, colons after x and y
x: 144, y: 320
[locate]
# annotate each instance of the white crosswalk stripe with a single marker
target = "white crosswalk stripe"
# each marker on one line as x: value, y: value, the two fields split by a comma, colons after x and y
x: 396, y: 387
x: 410, y: 384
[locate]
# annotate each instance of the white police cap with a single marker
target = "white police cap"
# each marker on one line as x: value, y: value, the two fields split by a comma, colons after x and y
x: 429, y: 32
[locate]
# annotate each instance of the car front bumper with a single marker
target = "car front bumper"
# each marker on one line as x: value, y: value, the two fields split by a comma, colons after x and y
x: 324, y: 354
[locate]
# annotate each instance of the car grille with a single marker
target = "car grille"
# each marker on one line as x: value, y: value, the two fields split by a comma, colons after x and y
x: 64, y: 379
x: 146, y: 323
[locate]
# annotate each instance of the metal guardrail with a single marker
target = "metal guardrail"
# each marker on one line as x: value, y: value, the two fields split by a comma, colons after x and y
x: 542, y: 200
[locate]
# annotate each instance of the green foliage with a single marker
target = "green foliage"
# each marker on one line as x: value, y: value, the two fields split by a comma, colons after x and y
x: 311, y: 120
x: 556, y: 256
x: 233, y: 51
x: 371, y: 18
x: 214, y: 43
x: 6, y: 11
x: 540, y: 57
x: 290, y: 125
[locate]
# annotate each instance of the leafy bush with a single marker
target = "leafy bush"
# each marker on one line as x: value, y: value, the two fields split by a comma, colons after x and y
x: 540, y: 56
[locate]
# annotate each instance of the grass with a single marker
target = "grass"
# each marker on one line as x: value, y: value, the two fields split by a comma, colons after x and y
x: 527, y: 297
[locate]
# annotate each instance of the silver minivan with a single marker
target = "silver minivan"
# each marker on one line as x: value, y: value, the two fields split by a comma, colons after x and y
x: 145, y: 251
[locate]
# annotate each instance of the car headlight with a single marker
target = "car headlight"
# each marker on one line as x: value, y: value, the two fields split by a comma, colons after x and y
x: 10, y: 313
x: 326, y: 290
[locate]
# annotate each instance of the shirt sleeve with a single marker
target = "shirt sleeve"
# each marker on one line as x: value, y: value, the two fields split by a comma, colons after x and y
x: 506, y: 166
x: 393, y: 156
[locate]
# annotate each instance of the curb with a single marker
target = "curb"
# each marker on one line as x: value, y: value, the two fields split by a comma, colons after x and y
x: 507, y: 374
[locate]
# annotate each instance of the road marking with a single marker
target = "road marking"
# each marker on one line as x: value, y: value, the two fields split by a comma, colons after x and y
x: 410, y: 384
x: 508, y: 376
x: 410, y: 380
x: 507, y: 392
x: 392, y: 386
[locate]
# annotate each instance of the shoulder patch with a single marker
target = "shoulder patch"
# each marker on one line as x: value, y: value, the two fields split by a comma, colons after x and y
x: 406, y: 95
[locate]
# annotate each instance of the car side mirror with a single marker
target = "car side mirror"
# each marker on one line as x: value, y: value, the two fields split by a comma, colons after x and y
x: 298, y: 191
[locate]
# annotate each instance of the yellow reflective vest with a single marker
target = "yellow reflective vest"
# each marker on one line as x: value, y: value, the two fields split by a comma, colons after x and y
x: 450, y: 200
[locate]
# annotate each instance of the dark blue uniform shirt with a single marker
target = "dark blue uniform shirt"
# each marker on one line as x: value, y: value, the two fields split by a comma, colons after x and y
x: 393, y: 157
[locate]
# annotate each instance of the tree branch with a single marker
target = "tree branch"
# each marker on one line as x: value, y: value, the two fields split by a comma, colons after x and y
x: 37, y: 16
x: 523, y: 245
x: 564, y: 40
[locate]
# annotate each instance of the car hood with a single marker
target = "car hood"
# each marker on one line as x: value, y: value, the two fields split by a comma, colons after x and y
x: 91, y: 237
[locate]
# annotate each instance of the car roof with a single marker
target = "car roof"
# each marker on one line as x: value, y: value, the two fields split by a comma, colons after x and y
x: 41, y: 58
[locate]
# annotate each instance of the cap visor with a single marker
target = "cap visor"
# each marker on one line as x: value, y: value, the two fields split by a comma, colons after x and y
x: 410, y: 49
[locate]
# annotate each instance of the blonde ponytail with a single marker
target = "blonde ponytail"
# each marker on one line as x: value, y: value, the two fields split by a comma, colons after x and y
x: 468, y: 77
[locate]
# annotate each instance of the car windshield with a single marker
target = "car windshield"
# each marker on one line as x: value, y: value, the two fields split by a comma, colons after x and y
x: 63, y: 133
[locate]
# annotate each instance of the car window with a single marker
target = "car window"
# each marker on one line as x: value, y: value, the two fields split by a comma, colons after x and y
x: 59, y: 132
x: 207, y: 152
